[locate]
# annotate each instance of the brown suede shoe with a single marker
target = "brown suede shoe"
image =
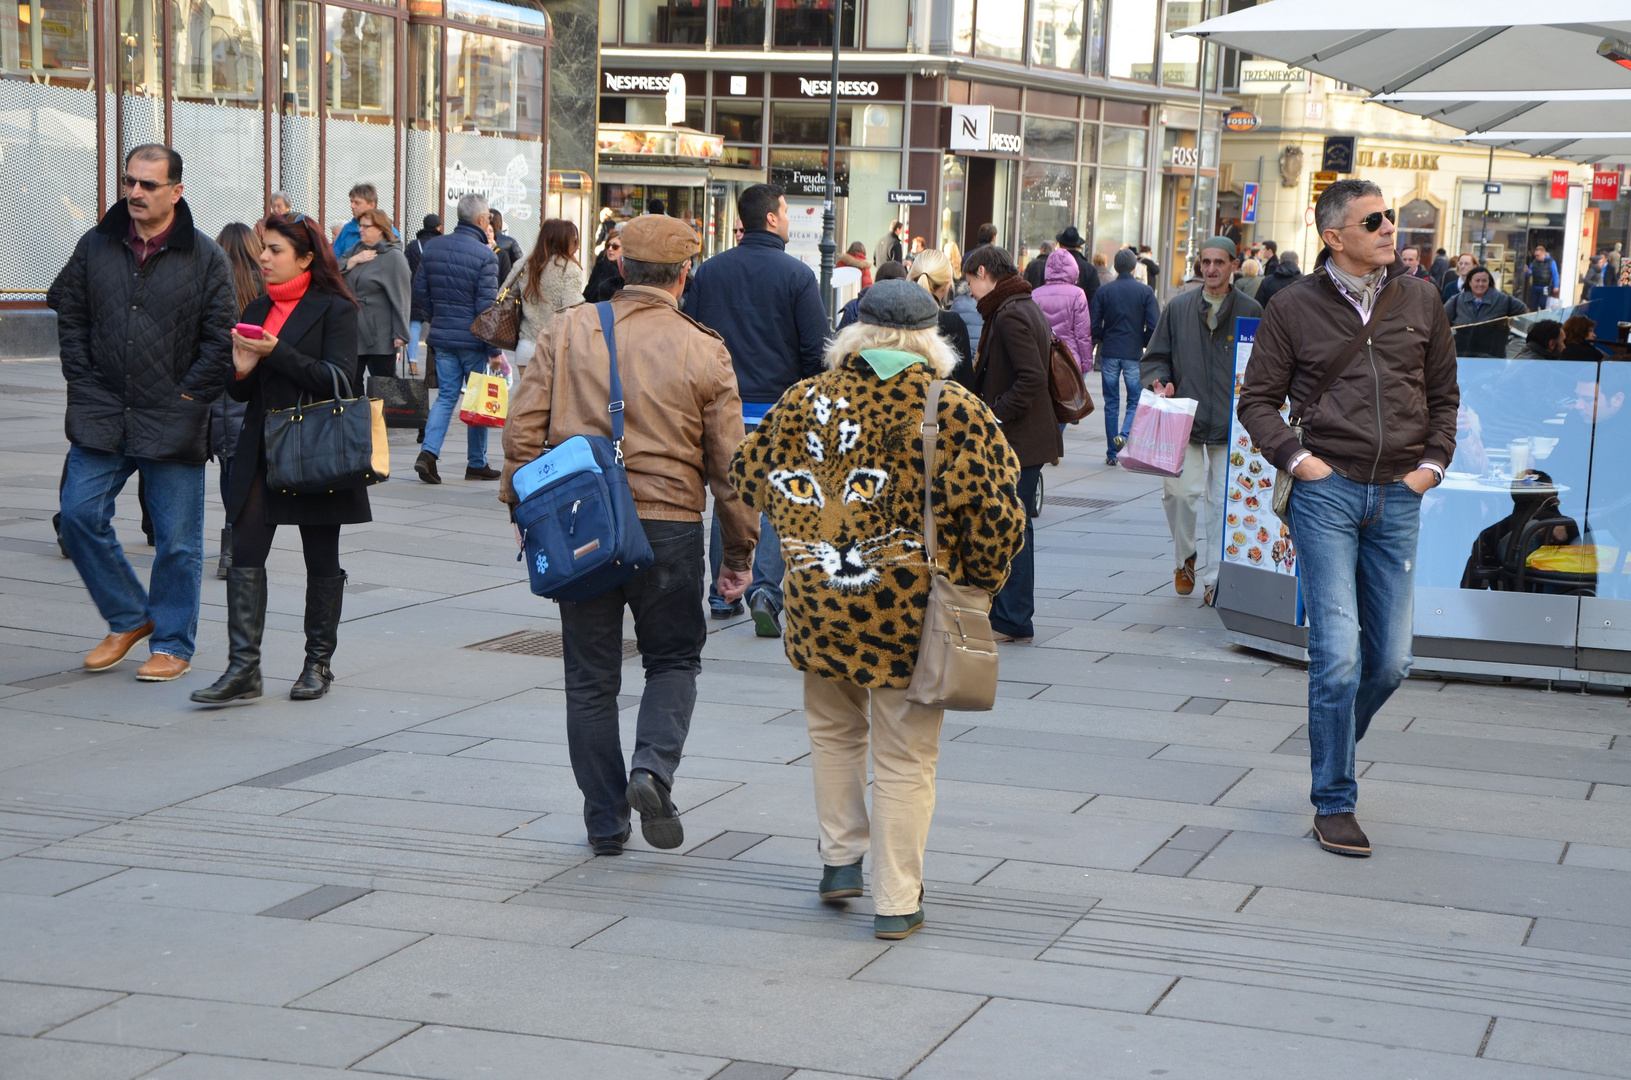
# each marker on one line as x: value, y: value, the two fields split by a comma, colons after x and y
x: 162, y: 668
x: 1184, y: 578
x: 115, y: 647
x: 1341, y: 835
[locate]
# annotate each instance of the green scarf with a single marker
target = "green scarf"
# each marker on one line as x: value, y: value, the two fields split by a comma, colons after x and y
x: 887, y: 363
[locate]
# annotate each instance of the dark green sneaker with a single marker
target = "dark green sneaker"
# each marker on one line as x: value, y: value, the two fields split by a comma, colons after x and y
x: 841, y: 882
x: 895, y: 927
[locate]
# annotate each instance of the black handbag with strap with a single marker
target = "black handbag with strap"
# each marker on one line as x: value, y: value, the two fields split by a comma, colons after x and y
x: 326, y: 446
x: 1340, y: 362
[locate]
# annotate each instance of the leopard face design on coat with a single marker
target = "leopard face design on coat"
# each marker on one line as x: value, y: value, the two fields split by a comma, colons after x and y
x: 837, y: 466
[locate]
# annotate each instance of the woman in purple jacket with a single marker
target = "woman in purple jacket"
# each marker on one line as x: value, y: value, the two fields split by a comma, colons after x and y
x: 1066, y: 307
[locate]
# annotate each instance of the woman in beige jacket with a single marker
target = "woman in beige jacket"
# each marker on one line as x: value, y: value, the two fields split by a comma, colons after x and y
x: 550, y: 280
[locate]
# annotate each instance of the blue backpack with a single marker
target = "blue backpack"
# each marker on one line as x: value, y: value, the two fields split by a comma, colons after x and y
x: 581, y: 534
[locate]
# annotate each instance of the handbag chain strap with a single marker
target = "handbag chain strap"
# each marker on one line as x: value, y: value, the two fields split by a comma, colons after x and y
x: 931, y: 461
x: 616, y: 406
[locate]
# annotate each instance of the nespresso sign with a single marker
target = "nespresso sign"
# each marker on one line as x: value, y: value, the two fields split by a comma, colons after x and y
x: 648, y: 84
x: 846, y: 88
x: 809, y: 87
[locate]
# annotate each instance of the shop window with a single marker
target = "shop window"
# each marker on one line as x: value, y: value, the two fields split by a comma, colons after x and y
x: 751, y: 157
x: 216, y: 120
x: 1046, y: 192
x: 141, y: 55
x: 802, y: 23
x: 739, y: 122
x: 999, y: 29
x: 871, y: 177
x: 1418, y: 228
x: 510, y: 18
x: 1119, y: 218
x: 494, y: 85
x: 886, y: 24
x: 962, y: 26
x: 1123, y: 146
x: 805, y: 124
x: 953, y: 188
x: 360, y: 53
x: 217, y: 54
x: 664, y: 22
x: 1055, y: 139
x: 1085, y: 204
x: 608, y: 22
x: 1090, y: 142
x: 1180, y: 56
x: 1056, y: 33
x: 739, y: 23
x: 878, y: 125
x: 300, y: 130
x: 47, y: 37
x: 1095, y: 41
x: 422, y: 172
x: 653, y: 112
x: 1130, y: 51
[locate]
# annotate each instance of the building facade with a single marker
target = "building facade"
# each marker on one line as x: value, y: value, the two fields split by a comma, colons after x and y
x: 1435, y: 183
x: 425, y: 99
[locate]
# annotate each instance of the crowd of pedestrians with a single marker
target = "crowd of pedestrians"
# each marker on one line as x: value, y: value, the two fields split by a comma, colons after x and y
x: 845, y: 468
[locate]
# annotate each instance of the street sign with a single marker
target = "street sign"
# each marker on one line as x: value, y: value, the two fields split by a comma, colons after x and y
x: 1239, y: 120
x: 1339, y: 153
x: 1308, y: 216
x: 1248, y: 205
x: 909, y: 198
x: 1492, y: 187
x: 718, y: 189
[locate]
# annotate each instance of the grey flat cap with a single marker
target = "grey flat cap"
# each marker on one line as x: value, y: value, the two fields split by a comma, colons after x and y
x: 900, y: 305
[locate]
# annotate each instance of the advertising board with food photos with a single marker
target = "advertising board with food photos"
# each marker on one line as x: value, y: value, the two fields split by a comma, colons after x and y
x: 1253, y: 535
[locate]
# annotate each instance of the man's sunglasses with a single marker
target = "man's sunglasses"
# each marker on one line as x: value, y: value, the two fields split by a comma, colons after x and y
x: 148, y: 186
x: 1372, y: 222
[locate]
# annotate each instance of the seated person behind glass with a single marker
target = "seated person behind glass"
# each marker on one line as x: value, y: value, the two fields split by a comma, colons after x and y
x: 1493, y: 561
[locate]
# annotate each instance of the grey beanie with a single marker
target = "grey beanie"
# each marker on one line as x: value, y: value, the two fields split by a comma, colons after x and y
x: 899, y: 305
x: 1126, y: 259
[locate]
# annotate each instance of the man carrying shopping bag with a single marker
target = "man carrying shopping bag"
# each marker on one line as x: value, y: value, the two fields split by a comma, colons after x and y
x: 1192, y: 356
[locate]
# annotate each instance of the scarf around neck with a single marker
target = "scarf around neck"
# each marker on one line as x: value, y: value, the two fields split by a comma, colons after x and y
x: 1360, y: 290
x: 1007, y: 287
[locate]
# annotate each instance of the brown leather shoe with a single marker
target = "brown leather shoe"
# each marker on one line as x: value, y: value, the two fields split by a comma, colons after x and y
x: 1184, y: 578
x: 114, y: 648
x: 1341, y: 835
x: 162, y: 668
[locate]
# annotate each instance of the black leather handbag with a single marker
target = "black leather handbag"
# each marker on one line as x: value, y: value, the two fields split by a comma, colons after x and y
x: 406, y: 398
x: 325, y: 446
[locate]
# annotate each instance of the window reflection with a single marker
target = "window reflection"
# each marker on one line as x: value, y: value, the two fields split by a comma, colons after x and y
x: 999, y: 29
x: 740, y: 22
x: 47, y: 36
x: 360, y: 55
x: 1180, y: 56
x: 141, y: 34
x: 1131, y: 50
x: 1056, y: 33
x: 217, y: 51
x: 809, y: 22
x: 494, y: 85
x: 665, y: 22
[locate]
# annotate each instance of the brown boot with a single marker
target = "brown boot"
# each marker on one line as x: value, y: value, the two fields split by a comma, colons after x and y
x: 115, y: 647
x: 1341, y: 835
x: 163, y: 668
x: 1184, y: 578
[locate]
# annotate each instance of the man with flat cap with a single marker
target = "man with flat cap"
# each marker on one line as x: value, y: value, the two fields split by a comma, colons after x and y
x: 682, y: 421
x: 1192, y: 355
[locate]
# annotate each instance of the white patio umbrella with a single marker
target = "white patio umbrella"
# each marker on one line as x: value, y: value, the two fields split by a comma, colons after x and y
x: 1523, y: 75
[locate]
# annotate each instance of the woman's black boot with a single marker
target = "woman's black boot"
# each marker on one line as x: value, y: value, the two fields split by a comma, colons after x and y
x: 323, y: 596
x: 246, y: 622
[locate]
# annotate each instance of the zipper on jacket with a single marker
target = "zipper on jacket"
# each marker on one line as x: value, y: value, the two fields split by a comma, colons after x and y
x: 1376, y: 386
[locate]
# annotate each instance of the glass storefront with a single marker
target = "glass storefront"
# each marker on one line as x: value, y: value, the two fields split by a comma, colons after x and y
x: 1520, y: 216
x: 1131, y: 50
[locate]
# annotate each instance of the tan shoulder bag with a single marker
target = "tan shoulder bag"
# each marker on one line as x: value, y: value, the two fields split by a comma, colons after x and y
x: 957, y: 656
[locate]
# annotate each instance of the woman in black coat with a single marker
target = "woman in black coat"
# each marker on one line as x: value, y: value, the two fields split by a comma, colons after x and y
x: 310, y: 331
x: 1482, y: 315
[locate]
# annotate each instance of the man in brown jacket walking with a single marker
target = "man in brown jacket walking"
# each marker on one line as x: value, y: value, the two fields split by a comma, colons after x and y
x: 1373, y: 443
x: 683, y: 421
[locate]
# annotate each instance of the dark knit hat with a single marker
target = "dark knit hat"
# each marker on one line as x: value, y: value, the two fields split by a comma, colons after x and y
x: 899, y: 305
x: 1126, y: 259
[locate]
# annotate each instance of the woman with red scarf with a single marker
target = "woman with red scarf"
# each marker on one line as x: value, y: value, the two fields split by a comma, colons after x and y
x: 308, y: 321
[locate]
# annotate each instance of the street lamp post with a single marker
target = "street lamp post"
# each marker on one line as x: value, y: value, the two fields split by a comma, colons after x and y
x: 829, y: 212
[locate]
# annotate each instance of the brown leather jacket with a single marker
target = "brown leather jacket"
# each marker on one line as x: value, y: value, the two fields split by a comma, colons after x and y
x: 1394, y: 405
x: 682, y: 418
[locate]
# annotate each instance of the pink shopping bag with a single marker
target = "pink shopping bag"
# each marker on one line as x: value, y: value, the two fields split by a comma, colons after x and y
x: 1160, y: 435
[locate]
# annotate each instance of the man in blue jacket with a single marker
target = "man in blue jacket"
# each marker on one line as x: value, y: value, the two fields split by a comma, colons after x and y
x: 456, y: 281
x: 1124, y: 315
x: 767, y: 306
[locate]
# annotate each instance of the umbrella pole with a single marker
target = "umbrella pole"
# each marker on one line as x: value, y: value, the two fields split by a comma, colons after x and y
x: 1483, y: 230
x: 1200, y: 157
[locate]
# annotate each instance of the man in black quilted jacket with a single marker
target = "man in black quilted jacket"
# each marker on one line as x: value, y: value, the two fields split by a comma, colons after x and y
x: 144, y: 319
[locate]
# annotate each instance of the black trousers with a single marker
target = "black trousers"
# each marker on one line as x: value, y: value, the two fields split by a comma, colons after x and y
x: 671, y: 630
x: 382, y: 365
x: 252, y: 537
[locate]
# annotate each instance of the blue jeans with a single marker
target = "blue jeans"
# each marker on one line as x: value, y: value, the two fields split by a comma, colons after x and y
x: 175, y: 499
x: 1356, y: 561
x: 1015, y: 603
x: 414, y: 326
x: 768, y: 566
x: 1112, y: 374
x: 452, y: 369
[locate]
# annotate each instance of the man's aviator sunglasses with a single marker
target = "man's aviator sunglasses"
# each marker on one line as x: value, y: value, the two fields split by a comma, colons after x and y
x: 1372, y: 222
x: 149, y: 186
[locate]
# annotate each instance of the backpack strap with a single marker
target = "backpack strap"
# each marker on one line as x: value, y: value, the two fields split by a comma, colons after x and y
x: 616, y: 405
x: 930, y: 429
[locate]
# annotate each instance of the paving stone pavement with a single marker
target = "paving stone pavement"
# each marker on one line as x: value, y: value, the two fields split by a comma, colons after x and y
x: 393, y: 881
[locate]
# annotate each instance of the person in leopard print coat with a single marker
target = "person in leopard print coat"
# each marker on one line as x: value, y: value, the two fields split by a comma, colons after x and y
x: 838, y: 467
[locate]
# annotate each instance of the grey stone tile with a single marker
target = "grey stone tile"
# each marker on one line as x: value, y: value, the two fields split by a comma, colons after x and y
x: 309, y: 905
x: 1170, y: 862
x: 28, y: 1010
x: 234, y: 1030
x: 1236, y: 1006
x: 1523, y: 785
x: 938, y: 865
x: 728, y: 845
x: 1023, y: 980
x: 170, y: 951
x: 307, y: 769
x: 30, y: 737
x: 1030, y: 1039
x: 203, y: 892
x: 1603, y: 858
x: 28, y: 1058
x: 1121, y: 887
x: 414, y: 814
x: 49, y: 877
x: 1203, y: 705
x: 686, y: 1007
x: 211, y: 1067
x: 450, y: 1053
x: 469, y: 918
x: 736, y: 947
x: 424, y: 742
x: 745, y: 1070
x: 1196, y: 838
x: 1059, y: 742
x: 1387, y: 917
x: 255, y: 800
x: 1600, y: 1053
x: 1593, y: 939
x: 1490, y: 753
x: 1178, y: 781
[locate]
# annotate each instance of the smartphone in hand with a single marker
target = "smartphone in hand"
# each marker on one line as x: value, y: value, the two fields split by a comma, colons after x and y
x: 249, y: 330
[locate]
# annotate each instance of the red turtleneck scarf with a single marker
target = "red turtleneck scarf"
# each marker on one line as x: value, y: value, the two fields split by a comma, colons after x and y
x: 284, y: 298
